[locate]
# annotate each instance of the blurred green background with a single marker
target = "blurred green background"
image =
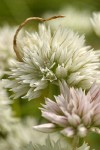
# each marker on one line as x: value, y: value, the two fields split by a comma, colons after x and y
x: 13, y: 12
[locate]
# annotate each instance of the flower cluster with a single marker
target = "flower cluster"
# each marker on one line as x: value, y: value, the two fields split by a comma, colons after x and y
x: 12, y: 129
x: 48, y: 61
x: 48, y: 145
x: 6, y: 118
x: 74, y: 112
x: 48, y: 57
x: 95, y: 20
x: 51, y: 145
x: 80, y: 22
x: 6, y: 47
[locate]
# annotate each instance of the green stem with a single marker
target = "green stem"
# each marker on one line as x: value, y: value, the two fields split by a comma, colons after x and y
x: 75, y: 142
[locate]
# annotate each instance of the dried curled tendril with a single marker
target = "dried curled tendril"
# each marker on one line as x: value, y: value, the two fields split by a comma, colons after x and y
x: 22, y: 25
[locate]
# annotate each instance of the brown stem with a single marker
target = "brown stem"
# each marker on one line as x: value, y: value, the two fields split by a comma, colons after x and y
x: 22, y: 25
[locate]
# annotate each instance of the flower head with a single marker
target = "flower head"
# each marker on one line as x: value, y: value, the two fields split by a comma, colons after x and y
x: 74, y: 112
x: 95, y: 20
x: 80, y: 22
x: 5, y: 111
x: 12, y: 129
x: 6, y: 47
x: 48, y: 57
x: 6, y: 115
x: 51, y: 145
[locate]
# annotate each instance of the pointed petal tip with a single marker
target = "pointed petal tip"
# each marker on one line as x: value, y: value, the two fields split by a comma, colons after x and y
x: 46, y: 128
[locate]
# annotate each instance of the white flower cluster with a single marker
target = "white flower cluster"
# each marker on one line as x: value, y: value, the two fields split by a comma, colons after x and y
x: 48, y: 57
x: 51, y: 145
x: 95, y: 20
x: 6, y: 118
x: 57, y: 59
x: 19, y: 135
x: 75, y: 19
x: 13, y: 133
x: 6, y: 47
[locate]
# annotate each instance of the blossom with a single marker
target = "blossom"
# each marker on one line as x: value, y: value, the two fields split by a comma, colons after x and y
x: 84, y: 147
x: 5, y: 111
x: 48, y: 57
x: 73, y: 112
x: 95, y: 20
x: 6, y: 47
x: 80, y: 22
x: 51, y: 145
x: 14, y: 133
x: 4, y: 99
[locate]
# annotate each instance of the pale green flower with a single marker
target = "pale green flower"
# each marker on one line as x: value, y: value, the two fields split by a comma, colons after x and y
x: 18, y: 134
x: 6, y: 118
x: 95, y: 20
x: 48, y: 57
x: 50, y: 145
x: 13, y: 132
x: 6, y: 47
x: 73, y: 113
x: 84, y: 147
x: 77, y: 20
x: 4, y: 99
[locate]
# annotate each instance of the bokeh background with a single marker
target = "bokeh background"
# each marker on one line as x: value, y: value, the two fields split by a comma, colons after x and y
x: 13, y: 12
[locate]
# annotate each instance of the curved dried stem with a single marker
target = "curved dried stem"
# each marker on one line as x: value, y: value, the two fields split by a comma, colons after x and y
x: 22, y: 25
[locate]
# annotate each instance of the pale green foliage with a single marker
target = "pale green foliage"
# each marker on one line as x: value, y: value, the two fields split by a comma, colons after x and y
x: 84, y: 147
x: 51, y: 145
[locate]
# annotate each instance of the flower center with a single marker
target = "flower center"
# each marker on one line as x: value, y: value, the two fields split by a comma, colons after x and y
x: 48, y: 74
